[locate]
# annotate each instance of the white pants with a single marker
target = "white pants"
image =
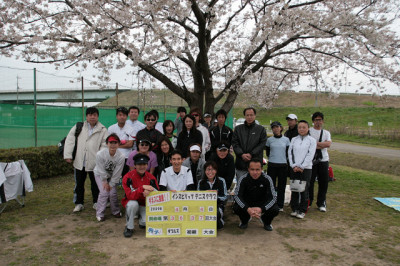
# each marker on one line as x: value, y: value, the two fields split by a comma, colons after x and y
x: 133, y: 208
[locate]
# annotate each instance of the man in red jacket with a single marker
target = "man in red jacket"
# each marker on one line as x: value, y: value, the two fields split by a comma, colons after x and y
x: 137, y: 184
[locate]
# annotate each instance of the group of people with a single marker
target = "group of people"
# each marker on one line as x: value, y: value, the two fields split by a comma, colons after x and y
x: 150, y: 157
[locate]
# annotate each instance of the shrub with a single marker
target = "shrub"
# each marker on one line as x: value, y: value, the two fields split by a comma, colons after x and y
x: 42, y: 162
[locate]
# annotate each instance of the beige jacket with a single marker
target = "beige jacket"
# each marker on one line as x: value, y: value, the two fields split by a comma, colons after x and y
x: 87, y: 146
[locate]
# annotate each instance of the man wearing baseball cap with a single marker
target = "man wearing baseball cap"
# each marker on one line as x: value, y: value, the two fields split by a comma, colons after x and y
x: 195, y: 163
x: 137, y: 185
x: 292, y: 123
x: 225, y: 163
x: 207, y: 120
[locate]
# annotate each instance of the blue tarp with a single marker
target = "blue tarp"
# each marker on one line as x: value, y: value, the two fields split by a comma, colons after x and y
x: 390, y: 202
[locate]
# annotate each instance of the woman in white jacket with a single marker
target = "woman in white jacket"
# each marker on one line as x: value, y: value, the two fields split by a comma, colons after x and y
x: 301, y: 153
x: 109, y: 165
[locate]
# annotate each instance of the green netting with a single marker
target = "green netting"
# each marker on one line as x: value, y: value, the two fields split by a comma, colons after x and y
x: 17, y: 123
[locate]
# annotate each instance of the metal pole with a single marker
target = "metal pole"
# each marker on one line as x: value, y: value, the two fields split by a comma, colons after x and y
x: 34, y: 104
x: 116, y: 93
x: 165, y: 100
x: 83, y: 101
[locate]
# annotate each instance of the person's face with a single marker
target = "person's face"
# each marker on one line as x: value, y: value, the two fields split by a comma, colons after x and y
x: 196, y: 116
x: 144, y: 147
x: 291, y: 122
x: 188, y: 123
x: 151, y: 121
x: 302, y: 128
x: 164, y: 147
x: 182, y: 114
x: 221, y: 120
x: 318, y: 122
x: 121, y: 118
x: 207, y: 119
x: 255, y: 170
x: 249, y: 116
x: 222, y: 153
x: 92, y: 119
x: 113, y: 146
x: 169, y: 129
x: 141, y: 168
x: 276, y: 130
x: 133, y: 114
x: 176, y: 161
x: 195, y: 155
x: 211, y: 173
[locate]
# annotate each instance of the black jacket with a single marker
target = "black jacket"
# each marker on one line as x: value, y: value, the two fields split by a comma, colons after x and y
x: 255, y: 192
x: 248, y: 139
x: 185, y: 140
x: 219, y: 185
x: 217, y: 135
x: 153, y: 135
x: 291, y: 133
x: 226, y: 168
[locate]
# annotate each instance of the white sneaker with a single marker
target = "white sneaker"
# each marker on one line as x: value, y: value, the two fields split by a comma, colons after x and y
x: 322, y: 209
x: 281, y: 209
x: 293, y: 213
x: 301, y: 215
x: 95, y: 206
x: 100, y: 219
x: 78, y: 208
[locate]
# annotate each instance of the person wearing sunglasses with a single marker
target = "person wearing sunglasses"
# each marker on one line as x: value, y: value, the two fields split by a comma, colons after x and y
x: 143, y: 147
x: 150, y: 132
x: 206, y: 144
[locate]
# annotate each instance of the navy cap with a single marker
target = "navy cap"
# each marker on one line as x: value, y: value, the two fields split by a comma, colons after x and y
x: 276, y: 124
x: 145, y: 140
x: 222, y: 146
x: 141, y: 159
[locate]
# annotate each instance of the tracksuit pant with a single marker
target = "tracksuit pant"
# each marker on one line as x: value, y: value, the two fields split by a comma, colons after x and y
x: 133, y: 208
x: 278, y: 173
x: 267, y: 215
x: 79, y: 190
x: 104, y: 195
x: 299, y: 200
x: 320, y: 170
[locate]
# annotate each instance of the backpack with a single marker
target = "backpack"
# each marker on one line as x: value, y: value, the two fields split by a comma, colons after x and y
x: 61, y: 144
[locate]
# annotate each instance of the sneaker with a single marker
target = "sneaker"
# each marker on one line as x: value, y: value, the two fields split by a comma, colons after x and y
x: 95, y: 205
x: 128, y: 232
x: 301, y: 215
x: 293, y: 213
x: 281, y: 209
x: 268, y: 227
x: 100, y: 219
x: 322, y: 209
x: 243, y: 226
x: 78, y: 208
x: 118, y: 215
x: 142, y: 226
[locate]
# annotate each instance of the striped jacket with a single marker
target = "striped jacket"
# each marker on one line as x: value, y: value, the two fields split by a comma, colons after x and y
x: 258, y: 192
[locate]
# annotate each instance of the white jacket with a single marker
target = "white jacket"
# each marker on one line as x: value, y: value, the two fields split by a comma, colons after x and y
x: 301, y: 152
x: 87, y: 146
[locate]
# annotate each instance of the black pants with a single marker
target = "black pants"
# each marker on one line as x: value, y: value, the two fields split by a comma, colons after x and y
x: 79, y: 191
x: 320, y: 170
x: 125, y: 170
x: 267, y: 215
x: 278, y: 172
x: 220, y: 216
x: 299, y: 200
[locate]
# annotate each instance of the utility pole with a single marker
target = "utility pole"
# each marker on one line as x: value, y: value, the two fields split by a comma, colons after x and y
x: 18, y: 78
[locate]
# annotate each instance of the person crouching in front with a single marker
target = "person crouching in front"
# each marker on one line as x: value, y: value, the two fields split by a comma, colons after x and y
x: 137, y: 185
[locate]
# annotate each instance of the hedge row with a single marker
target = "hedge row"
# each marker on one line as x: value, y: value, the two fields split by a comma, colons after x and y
x: 42, y: 162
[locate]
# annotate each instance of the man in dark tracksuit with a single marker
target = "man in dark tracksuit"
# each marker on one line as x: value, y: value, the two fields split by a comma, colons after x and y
x: 255, y: 196
x: 248, y: 141
x: 220, y: 132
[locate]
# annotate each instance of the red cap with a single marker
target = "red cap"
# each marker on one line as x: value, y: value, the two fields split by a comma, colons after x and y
x: 113, y: 139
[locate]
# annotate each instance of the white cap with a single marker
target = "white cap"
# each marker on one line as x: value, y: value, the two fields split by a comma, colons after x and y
x: 291, y: 116
x: 195, y: 148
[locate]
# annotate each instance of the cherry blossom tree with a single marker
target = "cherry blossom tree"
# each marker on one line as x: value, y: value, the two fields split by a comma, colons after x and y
x: 209, y: 51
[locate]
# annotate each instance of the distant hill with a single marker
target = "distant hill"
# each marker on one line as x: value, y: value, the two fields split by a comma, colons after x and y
x: 156, y: 99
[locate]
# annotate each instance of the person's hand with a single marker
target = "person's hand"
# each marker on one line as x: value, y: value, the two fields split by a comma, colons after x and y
x: 246, y: 157
x: 123, y: 141
x: 147, y: 187
x: 68, y: 160
x: 146, y: 193
x: 174, y: 191
x: 106, y: 187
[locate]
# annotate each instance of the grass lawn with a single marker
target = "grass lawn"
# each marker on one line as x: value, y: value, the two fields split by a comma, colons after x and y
x: 356, y: 230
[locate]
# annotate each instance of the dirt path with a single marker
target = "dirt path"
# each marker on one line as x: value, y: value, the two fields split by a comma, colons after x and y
x: 392, y: 154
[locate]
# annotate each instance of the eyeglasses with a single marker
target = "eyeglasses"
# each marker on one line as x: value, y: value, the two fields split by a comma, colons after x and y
x: 144, y: 144
x: 152, y: 120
